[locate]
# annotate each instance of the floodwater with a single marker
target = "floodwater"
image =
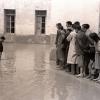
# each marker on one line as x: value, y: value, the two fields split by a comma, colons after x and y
x: 26, y: 73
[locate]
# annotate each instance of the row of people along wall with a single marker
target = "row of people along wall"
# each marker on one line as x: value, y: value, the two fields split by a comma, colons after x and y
x: 78, y: 50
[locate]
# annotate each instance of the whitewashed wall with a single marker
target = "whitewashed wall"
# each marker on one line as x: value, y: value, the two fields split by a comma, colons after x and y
x: 25, y: 14
x: 85, y: 11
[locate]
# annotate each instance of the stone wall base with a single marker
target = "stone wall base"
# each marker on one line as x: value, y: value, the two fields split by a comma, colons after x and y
x: 38, y: 39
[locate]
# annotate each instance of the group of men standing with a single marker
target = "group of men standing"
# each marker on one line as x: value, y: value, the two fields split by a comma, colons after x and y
x: 75, y: 48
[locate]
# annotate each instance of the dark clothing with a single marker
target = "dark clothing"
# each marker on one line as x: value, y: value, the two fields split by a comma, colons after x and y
x: 57, y: 36
x: 65, y: 41
x: 82, y: 48
x: 82, y: 43
x: 92, y: 53
x: 66, y: 46
x: 1, y: 47
x: 60, y: 46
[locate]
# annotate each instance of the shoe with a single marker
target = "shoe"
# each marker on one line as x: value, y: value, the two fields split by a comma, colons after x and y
x: 89, y: 76
x: 96, y: 79
x: 92, y: 78
x: 80, y: 75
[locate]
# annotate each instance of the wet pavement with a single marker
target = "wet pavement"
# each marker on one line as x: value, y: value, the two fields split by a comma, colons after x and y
x: 26, y: 73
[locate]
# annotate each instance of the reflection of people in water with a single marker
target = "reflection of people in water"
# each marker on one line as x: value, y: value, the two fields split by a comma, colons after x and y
x: 6, y: 78
x: 7, y: 67
x: 59, y: 88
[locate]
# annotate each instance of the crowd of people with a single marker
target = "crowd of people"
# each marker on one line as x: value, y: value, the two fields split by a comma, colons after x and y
x: 78, y: 50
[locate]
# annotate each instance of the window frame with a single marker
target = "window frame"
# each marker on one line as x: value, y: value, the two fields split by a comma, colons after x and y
x: 41, y: 13
x: 8, y: 13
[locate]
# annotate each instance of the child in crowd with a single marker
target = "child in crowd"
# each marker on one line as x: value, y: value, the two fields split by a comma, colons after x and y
x: 60, y: 45
x: 1, y: 45
x: 91, y: 66
x: 96, y: 39
x: 69, y: 25
x: 81, y: 45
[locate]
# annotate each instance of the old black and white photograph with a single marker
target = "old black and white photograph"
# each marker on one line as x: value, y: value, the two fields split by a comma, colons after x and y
x: 49, y: 49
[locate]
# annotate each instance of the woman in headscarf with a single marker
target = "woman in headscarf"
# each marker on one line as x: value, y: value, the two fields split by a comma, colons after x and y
x: 60, y: 45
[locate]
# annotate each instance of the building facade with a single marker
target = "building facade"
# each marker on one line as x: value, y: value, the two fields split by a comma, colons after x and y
x: 35, y: 21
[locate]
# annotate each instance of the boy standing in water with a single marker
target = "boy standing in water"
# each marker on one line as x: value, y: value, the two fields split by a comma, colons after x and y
x: 1, y: 45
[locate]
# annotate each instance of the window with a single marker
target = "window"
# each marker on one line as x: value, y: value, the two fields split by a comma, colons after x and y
x: 40, y: 21
x: 43, y: 25
x: 9, y: 20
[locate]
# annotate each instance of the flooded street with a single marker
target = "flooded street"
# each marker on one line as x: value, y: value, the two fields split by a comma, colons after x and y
x: 26, y: 73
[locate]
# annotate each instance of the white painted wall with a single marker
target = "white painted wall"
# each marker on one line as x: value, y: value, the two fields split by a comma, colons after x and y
x: 25, y: 14
x: 85, y: 11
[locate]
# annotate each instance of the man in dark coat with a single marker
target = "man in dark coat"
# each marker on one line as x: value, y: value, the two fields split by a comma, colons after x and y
x: 58, y: 25
x: 82, y: 48
x: 66, y: 46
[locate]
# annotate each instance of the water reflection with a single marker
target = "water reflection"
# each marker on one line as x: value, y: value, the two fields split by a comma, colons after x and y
x: 7, y: 67
x: 26, y: 73
x: 59, y: 88
x: 7, y: 72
